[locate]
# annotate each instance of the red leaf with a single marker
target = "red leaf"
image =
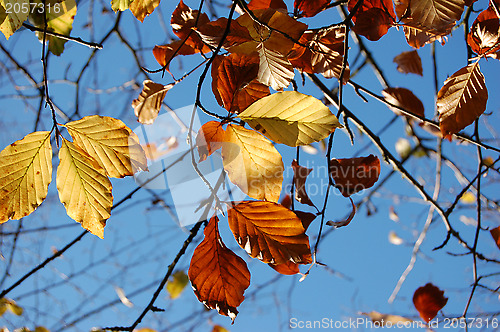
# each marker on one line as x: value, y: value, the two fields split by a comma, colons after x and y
x: 299, y: 178
x: 183, y: 20
x: 210, y: 138
x: 212, y: 32
x: 428, y: 300
x: 495, y: 233
x: 165, y: 53
x: 288, y: 268
x: 373, y: 18
x: 354, y: 174
x: 409, y: 62
x: 484, y: 36
x: 309, y: 8
x: 219, y: 277
x: 264, y: 4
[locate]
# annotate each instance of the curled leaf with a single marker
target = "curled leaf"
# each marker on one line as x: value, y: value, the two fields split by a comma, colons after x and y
x: 148, y: 104
x: 346, y: 222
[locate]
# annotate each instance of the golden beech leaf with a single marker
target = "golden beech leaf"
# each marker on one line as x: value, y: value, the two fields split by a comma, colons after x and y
x: 111, y: 143
x: 288, y: 268
x: 291, y: 118
x: 495, y: 234
x: 176, y: 285
x: 403, y: 98
x: 300, y: 175
x: 148, y: 104
x: 309, y: 8
x: 183, y: 20
x: 120, y: 5
x: 83, y: 188
x: 462, y: 99
x: 270, y: 232
x: 209, y: 139
x: 409, y: 62
x: 428, y: 300
x: 25, y: 174
x: 373, y: 18
x: 142, y: 8
x: 352, y: 175
x: 252, y: 163
x: 13, y: 20
x: 484, y: 36
x: 219, y: 277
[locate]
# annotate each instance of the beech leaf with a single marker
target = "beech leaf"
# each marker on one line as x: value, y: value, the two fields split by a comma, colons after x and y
x: 270, y: 232
x: 462, y: 99
x: 373, y: 18
x: 484, y: 36
x: 409, y: 62
x: 495, y: 234
x: 219, y: 277
x: 264, y: 4
x: 352, y: 175
x: 148, y: 104
x: 183, y: 20
x: 291, y: 118
x: 120, y: 5
x: 309, y: 8
x: 428, y: 300
x: 300, y: 175
x: 288, y: 268
x: 405, y: 99
x: 13, y: 20
x: 142, y: 8
x: 176, y: 284
x: 209, y: 139
x: 275, y: 70
x: 25, y: 174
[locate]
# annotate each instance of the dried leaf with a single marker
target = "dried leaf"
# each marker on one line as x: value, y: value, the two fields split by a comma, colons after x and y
x: 428, y: 300
x: 484, y: 36
x: 405, y: 99
x: 209, y: 139
x: 309, y: 8
x: 212, y: 32
x: 418, y: 36
x: 13, y: 20
x: 252, y: 163
x: 83, y: 188
x: 352, y: 175
x: 468, y: 198
x: 111, y: 143
x: 462, y: 99
x: 142, y: 8
x: 270, y: 232
x: 165, y: 53
x: 218, y: 276
x: 177, y: 284
x: 299, y: 178
x: 346, y: 222
x: 291, y: 118
x: 120, y: 5
x: 288, y: 268
x: 25, y: 174
x: 264, y: 4
x: 183, y: 20
x: 495, y: 234
x: 373, y: 18
x: 10, y: 305
x: 148, y: 104
x: 409, y: 62
x: 274, y: 68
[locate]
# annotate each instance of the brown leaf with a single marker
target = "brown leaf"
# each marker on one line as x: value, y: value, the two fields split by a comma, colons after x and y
x: 286, y: 201
x: 346, y: 222
x: 305, y: 217
x: 165, y: 53
x: 462, y: 99
x: 142, y: 8
x: 428, y: 300
x: 270, y: 232
x: 409, y: 62
x: 288, y: 268
x: 299, y: 178
x: 354, y: 174
x: 209, y: 139
x: 183, y: 20
x: 309, y: 8
x: 403, y: 98
x: 373, y: 18
x: 264, y: 4
x: 417, y: 37
x: 324, y: 53
x: 148, y: 104
x: 387, y: 319
x: 219, y: 277
x: 484, y: 36
x: 495, y: 233
x: 212, y: 32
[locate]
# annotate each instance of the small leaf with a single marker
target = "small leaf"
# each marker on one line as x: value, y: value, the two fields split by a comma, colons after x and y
x: 25, y: 174
x: 148, y: 104
x: 309, y: 8
x: 111, y: 143
x: 352, y: 175
x: 462, y: 99
x: 270, y: 232
x: 165, y: 53
x: 405, y: 99
x: 176, y: 285
x: 252, y: 163
x: 345, y: 222
x: 218, y: 328
x: 219, y: 277
x: 288, y: 268
x: 291, y: 118
x: 387, y: 319
x: 468, y: 198
x: 264, y: 4
x: 123, y: 298
x: 403, y: 147
x: 142, y: 8
x: 495, y: 234
x: 120, y: 5
x: 395, y: 239
x: 209, y: 139
x: 484, y: 36
x: 14, y: 20
x: 373, y: 18
x: 299, y: 178
x: 83, y: 188
x: 409, y: 62
x: 428, y: 300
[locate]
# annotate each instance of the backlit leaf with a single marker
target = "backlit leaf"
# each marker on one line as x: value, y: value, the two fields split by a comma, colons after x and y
x: 300, y: 174
x: 309, y: 8
x: 264, y: 4
x: 111, y: 143
x: 405, y: 99
x: 288, y: 268
x: 120, y: 5
x: 148, y: 104
x: 176, y: 284
x: 428, y: 300
x: 484, y: 36
x: 83, y: 188
x: 252, y: 163
x: 123, y: 298
x: 218, y: 328
x: 409, y: 62
x: 462, y: 99
x: 212, y: 32
x: 373, y: 18
x: 270, y: 232
x: 183, y: 19
x: 14, y: 19
x: 352, y: 175
x: 25, y: 174
x: 165, y: 53
x: 495, y: 233
x: 387, y: 319
x: 274, y: 68
x: 142, y: 8
x: 219, y: 277
x: 291, y: 118
x: 10, y: 305
x: 418, y: 36
x: 209, y: 138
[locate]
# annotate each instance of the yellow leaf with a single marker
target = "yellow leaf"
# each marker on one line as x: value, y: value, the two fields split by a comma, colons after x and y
x: 468, y: 198
x: 120, y: 5
x: 142, y: 8
x: 83, y: 188
x: 252, y: 163
x: 8, y: 304
x: 177, y: 284
x: 15, y: 18
x: 148, y: 104
x: 41, y: 329
x: 145, y: 329
x: 291, y: 118
x: 111, y: 143
x: 25, y: 174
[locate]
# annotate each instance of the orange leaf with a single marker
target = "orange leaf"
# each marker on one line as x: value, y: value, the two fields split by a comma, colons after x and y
x: 354, y: 174
x: 418, y: 37
x: 219, y: 277
x: 183, y: 20
x: 309, y: 8
x: 403, y: 98
x: 209, y: 139
x: 373, y: 18
x: 212, y: 32
x: 270, y: 232
x: 462, y: 99
x: 484, y: 36
x: 409, y: 62
x: 165, y: 53
x: 264, y: 4
x: 428, y: 300
x: 288, y: 268
x: 299, y: 178
x: 495, y: 233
